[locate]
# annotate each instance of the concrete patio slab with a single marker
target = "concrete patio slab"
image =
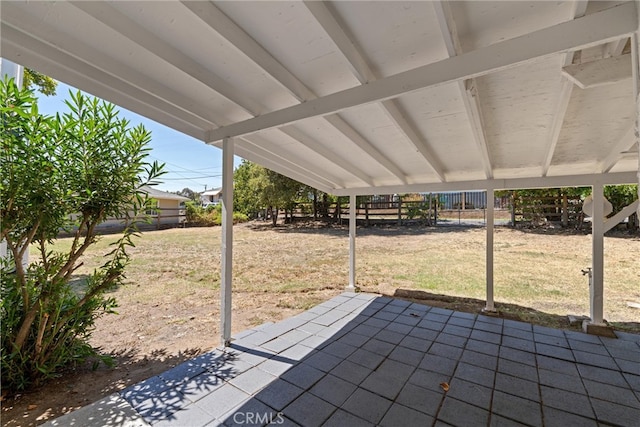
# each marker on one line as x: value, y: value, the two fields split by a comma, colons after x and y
x: 360, y: 359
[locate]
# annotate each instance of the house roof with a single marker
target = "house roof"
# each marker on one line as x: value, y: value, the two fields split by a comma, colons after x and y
x: 363, y: 97
x: 212, y: 192
x: 159, y: 194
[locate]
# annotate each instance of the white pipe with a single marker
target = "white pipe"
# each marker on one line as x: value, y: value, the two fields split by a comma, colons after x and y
x: 227, y: 241
x: 352, y: 242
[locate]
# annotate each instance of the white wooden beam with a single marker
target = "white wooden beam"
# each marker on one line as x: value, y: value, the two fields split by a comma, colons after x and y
x: 110, y: 66
x: 617, y: 218
x: 26, y: 50
x: 597, y: 28
x: 468, y: 90
x: 600, y: 72
x: 313, y: 145
x: 355, y: 59
x: 579, y: 8
x: 616, y: 152
x: 362, y: 71
x: 242, y: 41
x: 268, y: 161
x: 614, y: 48
x: 352, y: 243
x: 223, y: 25
x: 264, y: 148
x: 339, y: 123
x: 498, y: 184
x: 119, y: 22
x: 226, y: 268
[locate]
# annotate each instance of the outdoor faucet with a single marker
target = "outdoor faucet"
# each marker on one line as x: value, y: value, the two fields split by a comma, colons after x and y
x: 587, y: 272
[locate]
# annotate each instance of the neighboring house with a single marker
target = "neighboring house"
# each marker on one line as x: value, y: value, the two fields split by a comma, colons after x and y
x: 168, y: 211
x: 211, y: 197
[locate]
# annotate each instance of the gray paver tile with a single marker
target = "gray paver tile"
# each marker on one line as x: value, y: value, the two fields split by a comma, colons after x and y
x: 553, y: 351
x: 425, y: 334
x: 429, y: 379
x: 386, y: 315
x: 379, y: 347
x: 558, y: 341
x: 517, y: 386
x: 351, y: 372
x: 323, y: 361
x: 384, y: 385
x: 486, y: 336
x: 556, y: 365
x: 333, y: 389
x: 487, y: 327
x: 366, y: 330
x: 517, y: 333
x: 414, y: 343
x: 518, y: 356
x: 406, y: 355
x: 341, y: 418
x: 548, y: 331
x: 633, y: 380
x: 518, y: 325
x: 518, y: 344
x: 557, y: 418
x: 610, y: 393
x: 376, y: 322
x: 366, y: 358
x: 198, y: 387
x: 445, y: 350
x: 483, y: 347
x: 457, y: 330
x: 295, y: 353
x: 310, y: 327
x: 486, y: 318
x: 354, y: 339
x: 309, y: 410
x: 420, y: 399
x: 435, y: 317
x: 475, y: 374
x: 302, y: 375
x: 399, y: 328
x: 444, y: 365
x: 567, y: 401
x: 278, y: 345
x: 517, y: 408
x: 517, y: 369
x: 500, y: 421
x: 622, y: 353
x: 144, y: 389
x: 191, y: 416
x: 602, y: 375
x: 252, y: 413
x: 474, y: 394
x: 595, y: 360
x: 571, y: 383
x: 458, y: 413
x: 588, y: 347
x: 399, y: 415
x: 615, y: 414
x: 629, y: 366
x: 253, y: 380
x: 222, y: 400
x: 367, y: 405
x: 339, y: 349
x: 461, y: 321
x: 430, y: 324
x: 390, y: 336
x: 279, y: 394
x: 452, y: 340
x: 479, y: 359
x: 407, y: 319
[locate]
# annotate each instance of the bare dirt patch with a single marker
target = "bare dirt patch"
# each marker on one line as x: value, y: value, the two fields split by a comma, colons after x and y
x: 169, y: 311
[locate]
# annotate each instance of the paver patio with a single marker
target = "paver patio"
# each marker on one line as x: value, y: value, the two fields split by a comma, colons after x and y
x: 361, y: 360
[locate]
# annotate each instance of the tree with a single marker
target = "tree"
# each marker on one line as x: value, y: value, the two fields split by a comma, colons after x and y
x: 187, y: 192
x: 70, y: 173
x: 45, y: 84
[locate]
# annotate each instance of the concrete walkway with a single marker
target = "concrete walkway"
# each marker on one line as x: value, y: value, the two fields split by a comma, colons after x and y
x: 362, y: 360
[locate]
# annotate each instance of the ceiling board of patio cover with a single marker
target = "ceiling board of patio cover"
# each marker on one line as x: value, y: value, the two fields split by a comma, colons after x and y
x: 274, y: 71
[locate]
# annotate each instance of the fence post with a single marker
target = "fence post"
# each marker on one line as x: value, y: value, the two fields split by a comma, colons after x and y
x: 565, y: 211
x: 399, y: 210
x: 513, y: 209
x: 366, y: 211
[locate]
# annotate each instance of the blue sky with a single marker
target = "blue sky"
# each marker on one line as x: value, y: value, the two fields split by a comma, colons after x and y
x: 189, y: 162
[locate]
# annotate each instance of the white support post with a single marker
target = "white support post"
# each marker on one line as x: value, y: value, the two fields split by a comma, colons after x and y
x: 489, y: 251
x: 227, y: 241
x: 597, y: 254
x: 352, y: 243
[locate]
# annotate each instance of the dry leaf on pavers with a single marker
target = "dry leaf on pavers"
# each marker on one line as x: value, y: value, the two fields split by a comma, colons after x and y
x: 31, y: 407
x: 445, y: 386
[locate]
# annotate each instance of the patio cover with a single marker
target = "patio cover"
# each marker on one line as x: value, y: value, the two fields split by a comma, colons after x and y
x: 366, y: 97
